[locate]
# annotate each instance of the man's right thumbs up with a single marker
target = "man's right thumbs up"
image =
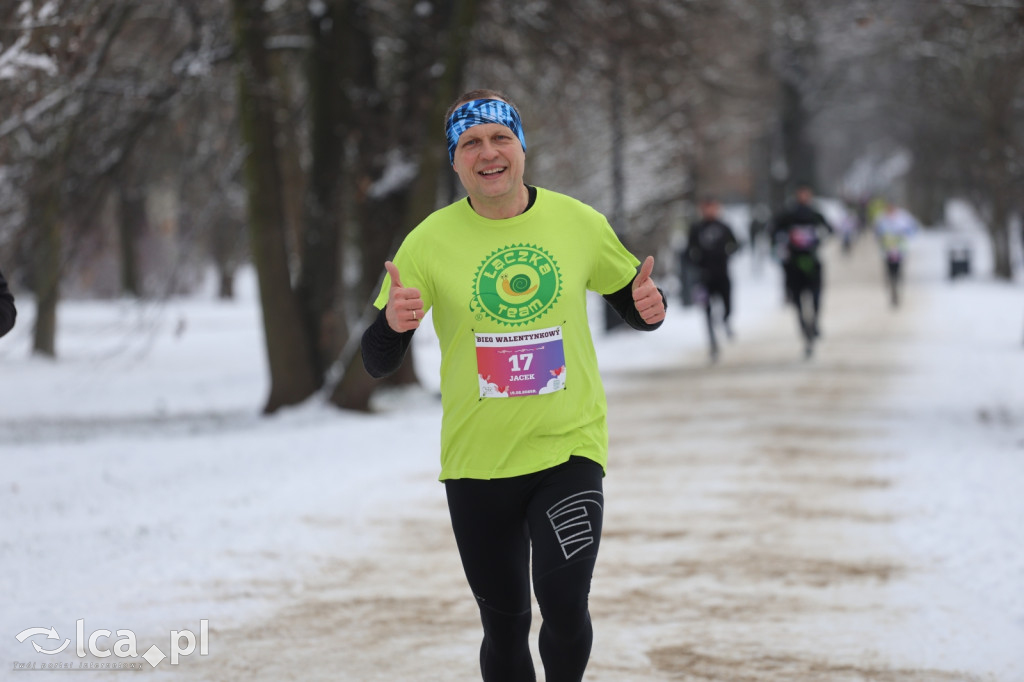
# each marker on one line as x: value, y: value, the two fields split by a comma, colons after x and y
x: 396, y: 280
x: 405, y: 307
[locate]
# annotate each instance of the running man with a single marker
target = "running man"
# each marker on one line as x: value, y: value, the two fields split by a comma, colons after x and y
x: 523, y: 446
x: 892, y: 227
x: 800, y: 230
x: 710, y: 243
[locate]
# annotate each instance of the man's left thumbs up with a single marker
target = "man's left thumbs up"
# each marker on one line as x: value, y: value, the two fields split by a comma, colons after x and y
x: 648, y: 300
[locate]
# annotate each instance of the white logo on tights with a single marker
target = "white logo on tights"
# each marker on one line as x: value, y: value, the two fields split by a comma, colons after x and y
x: 570, y: 520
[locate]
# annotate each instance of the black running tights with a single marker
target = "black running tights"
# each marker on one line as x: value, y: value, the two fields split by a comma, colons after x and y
x: 557, y: 512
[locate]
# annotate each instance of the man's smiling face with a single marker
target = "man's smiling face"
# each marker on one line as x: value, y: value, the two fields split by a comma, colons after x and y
x: 490, y: 162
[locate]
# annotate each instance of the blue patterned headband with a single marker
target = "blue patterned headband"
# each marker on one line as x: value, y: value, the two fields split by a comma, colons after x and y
x: 481, y: 111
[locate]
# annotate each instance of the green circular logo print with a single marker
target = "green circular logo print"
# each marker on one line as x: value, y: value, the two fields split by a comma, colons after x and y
x: 516, y: 284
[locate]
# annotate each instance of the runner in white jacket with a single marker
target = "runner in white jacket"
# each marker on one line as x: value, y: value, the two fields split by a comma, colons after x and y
x: 893, y: 227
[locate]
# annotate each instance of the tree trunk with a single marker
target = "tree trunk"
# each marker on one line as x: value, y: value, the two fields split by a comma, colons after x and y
x: 44, y: 217
x: 384, y: 220
x: 321, y: 235
x: 998, y: 180
x: 131, y: 225
x: 999, y: 231
x: 356, y: 387
x: 45, y: 198
x: 227, y: 235
x: 926, y: 191
x: 224, y: 237
x: 797, y: 147
x: 433, y: 148
x: 289, y: 350
x: 617, y: 97
x: 226, y: 284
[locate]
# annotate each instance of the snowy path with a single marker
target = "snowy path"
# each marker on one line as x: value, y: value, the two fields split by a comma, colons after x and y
x: 769, y: 545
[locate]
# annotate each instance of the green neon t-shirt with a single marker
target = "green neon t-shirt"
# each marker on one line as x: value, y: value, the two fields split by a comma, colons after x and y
x: 520, y: 389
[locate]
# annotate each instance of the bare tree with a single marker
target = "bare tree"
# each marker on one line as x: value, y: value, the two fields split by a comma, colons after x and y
x: 289, y: 348
x: 396, y: 123
x: 942, y: 84
x: 364, y: 107
x: 972, y: 59
x: 85, y: 80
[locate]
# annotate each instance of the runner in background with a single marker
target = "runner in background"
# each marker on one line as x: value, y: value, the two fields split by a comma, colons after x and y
x: 798, y: 231
x: 848, y: 228
x: 524, y: 438
x: 710, y: 244
x: 760, y: 239
x: 892, y: 228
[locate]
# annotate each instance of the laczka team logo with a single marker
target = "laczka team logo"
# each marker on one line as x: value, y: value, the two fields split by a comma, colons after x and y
x: 516, y: 285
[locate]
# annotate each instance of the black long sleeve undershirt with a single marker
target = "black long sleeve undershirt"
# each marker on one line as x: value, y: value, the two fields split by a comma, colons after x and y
x: 622, y: 302
x: 384, y: 348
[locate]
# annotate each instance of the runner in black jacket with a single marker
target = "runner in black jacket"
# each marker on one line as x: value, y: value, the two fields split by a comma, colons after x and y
x: 799, y: 231
x: 710, y: 244
x: 7, y: 310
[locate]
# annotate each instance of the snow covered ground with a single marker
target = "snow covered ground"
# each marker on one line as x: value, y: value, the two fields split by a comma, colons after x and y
x: 141, y: 491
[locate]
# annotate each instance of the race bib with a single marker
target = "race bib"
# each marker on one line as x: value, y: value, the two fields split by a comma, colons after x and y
x: 520, y: 363
x: 803, y: 238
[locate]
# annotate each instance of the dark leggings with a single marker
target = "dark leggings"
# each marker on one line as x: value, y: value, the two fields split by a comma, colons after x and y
x: 804, y: 275
x: 558, y: 512
x: 717, y: 287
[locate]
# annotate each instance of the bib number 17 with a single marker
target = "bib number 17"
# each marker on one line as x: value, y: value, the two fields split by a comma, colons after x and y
x: 525, y: 358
